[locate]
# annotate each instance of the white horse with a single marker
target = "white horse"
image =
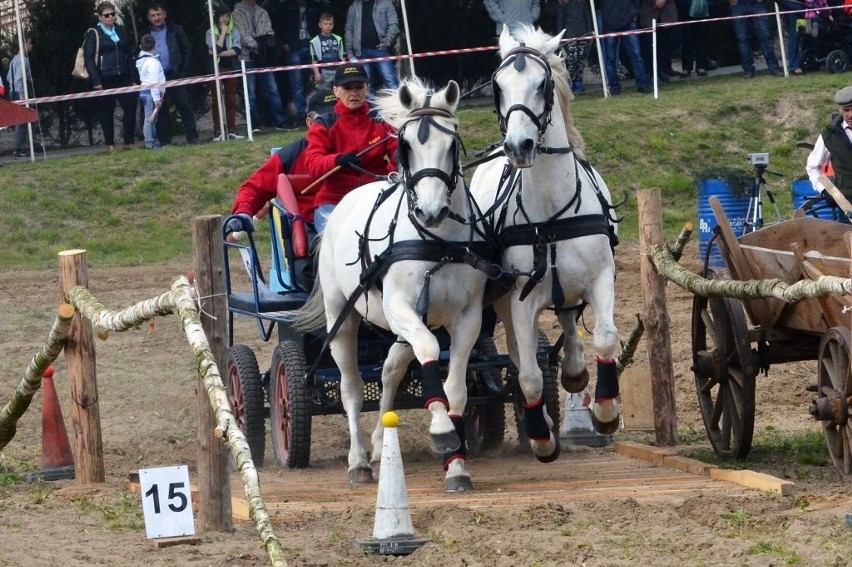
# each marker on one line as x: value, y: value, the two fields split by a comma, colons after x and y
x: 406, y: 243
x: 552, y: 215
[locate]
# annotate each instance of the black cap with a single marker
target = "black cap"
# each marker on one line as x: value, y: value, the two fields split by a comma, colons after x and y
x: 322, y: 101
x: 843, y: 97
x: 350, y: 73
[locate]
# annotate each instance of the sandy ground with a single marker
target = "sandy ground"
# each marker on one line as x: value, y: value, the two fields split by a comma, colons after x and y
x: 146, y: 384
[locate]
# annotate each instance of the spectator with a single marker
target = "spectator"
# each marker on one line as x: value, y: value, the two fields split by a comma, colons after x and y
x: 225, y: 42
x: 150, y: 72
x: 620, y: 16
x: 760, y: 25
x: 371, y: 30
x: 342, y: 138
x: 298, y: 23
x: 512, y: 13
x: 575, y: 17
x: 835, y: 144
x: 693, y: 49
x: 326, y: 47
x: 175, y: 54
x: 259, y: 50
x: 794, y: 63
x: 665, y: 12
x: 113, y: 68
x: 15, y: 78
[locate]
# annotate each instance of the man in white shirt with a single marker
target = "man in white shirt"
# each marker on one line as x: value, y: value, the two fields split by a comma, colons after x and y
x: 834, y: 145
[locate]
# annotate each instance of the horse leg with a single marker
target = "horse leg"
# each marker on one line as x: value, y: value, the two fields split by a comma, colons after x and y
x: 462, y: 338
x: 606, y: 409
x: 575, y: 375
x: 344, y: 349
x: 539, y: 426
x: 397, y: 361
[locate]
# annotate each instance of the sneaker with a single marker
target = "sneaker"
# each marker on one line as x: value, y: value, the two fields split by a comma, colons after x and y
x: 644, y: 90
x: 255, y: 130
x: 218, y: 137
x: 578, y: 87
x: 17, y: 154
x: 234, y: 136
x: 748, y: 75
x: 776, y: 72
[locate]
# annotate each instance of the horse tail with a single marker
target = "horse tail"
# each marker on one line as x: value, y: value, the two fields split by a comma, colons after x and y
x: 311, y: 316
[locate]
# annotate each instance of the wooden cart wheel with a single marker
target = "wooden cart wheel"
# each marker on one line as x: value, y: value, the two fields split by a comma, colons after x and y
x: 550, y: 392
x: 485, y: 424
x: 835, y: 389
x: 290, y: 406
x: 245, y: 394
x: 725, y: 372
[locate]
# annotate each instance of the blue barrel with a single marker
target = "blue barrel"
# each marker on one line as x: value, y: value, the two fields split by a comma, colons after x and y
x: 804, y: 190
x: 734, y: 206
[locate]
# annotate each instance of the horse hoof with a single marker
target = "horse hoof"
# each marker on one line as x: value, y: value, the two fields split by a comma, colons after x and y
x: 605, y: 427
x: 553, y: 456
x: 361, y: 475
x: 574, y: 384
x: 458, y: 484
x: 444, y: 442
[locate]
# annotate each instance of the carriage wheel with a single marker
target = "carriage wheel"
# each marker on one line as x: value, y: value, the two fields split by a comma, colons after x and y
x: 810, y: 60
x: 835, y: 389
x: 725, y: 373
x: 485, y: 424
x: 836, y: 61
x: 245, y: 394
x: 290, y: 407
x: 550, y: 392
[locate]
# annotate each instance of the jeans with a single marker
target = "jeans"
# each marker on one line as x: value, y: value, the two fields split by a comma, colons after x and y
x: 385, y: 68
x: 20, y: 129
x: 631, y: 44
x: 273, y: 99
x: 149, y: 127
x: 761, y: 28
x: 321, y: 216
x: 297, y: 81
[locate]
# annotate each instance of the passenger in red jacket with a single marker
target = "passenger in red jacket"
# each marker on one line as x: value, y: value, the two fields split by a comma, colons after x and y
x: 337, y: 138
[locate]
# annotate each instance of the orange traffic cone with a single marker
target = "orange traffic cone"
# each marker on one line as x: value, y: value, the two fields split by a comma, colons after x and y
x: 56, y: 457
x: 393, y: 533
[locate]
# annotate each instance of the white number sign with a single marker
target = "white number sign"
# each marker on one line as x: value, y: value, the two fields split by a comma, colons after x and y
x: 166, y: 502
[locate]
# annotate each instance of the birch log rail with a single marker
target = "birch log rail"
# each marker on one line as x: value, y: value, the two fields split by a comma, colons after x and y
x: 31, y: 382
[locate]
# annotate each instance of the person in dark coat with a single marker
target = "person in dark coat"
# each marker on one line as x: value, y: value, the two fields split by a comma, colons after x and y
x: 110, y: 63
x: 575, y: 17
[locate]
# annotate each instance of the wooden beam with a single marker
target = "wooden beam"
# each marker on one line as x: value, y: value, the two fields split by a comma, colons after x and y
x: 752, y: 479
x: 656, y: 318
x: 82, y: 375
x: 214, y: 489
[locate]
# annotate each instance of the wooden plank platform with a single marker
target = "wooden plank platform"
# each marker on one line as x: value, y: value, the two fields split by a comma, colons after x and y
x: 515, y: 481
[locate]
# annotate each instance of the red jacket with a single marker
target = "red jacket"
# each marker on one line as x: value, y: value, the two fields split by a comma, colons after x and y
x: 258, y: 189
x: 351, y: 132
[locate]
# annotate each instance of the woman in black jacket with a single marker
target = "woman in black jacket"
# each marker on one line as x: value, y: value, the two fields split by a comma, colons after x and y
x: 109, y: 61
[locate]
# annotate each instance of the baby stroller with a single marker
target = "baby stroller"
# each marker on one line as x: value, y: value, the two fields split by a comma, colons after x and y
x: 824, y: 39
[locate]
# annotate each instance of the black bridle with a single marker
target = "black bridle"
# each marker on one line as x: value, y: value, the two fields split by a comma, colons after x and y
x: 518, y: 58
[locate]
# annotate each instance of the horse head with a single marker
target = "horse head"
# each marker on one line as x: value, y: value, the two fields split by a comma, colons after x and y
x: 428, y: 156
x: 530, y: 80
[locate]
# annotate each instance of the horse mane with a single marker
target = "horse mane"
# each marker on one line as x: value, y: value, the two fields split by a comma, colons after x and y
x: 535, y: 38
x: 391, y: 110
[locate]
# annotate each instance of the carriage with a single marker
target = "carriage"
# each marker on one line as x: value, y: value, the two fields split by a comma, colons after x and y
x: 290, y: 398
x: 734, y: 340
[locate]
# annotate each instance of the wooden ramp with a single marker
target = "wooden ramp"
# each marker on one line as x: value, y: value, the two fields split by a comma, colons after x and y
x: 510, y: 481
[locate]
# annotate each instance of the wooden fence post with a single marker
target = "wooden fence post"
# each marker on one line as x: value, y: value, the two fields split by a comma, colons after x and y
x: 214, y: 488
x: 656, y: 319
x: 82, y: 375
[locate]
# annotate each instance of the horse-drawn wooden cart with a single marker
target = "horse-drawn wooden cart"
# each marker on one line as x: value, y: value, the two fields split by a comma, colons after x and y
x: 729, y: 349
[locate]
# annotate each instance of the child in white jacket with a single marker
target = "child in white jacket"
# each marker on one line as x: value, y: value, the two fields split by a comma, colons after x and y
x: 150, y: 72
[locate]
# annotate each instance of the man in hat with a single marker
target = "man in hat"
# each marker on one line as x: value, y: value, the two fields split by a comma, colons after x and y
x: 834, y: 146
x: 349, y: 140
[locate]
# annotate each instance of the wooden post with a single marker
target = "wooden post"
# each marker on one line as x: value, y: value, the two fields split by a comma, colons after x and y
x: 82, y: 375
x: 656, y: 319
x: 214, y: 488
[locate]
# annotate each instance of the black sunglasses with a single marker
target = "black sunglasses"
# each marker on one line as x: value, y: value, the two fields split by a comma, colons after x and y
x: 110, y: 15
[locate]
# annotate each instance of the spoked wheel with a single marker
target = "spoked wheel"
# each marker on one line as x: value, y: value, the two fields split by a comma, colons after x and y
x: 485, y: 424
x: 290, y: 406
x: 810, y: 60
x: 837, y: 61
x: 550, y: 392
x: 725, y: 373
x: 245, y: 394
x: 835, y: 391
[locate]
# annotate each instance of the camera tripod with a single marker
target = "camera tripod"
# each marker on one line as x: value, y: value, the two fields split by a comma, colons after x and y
x: 754, y: 213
